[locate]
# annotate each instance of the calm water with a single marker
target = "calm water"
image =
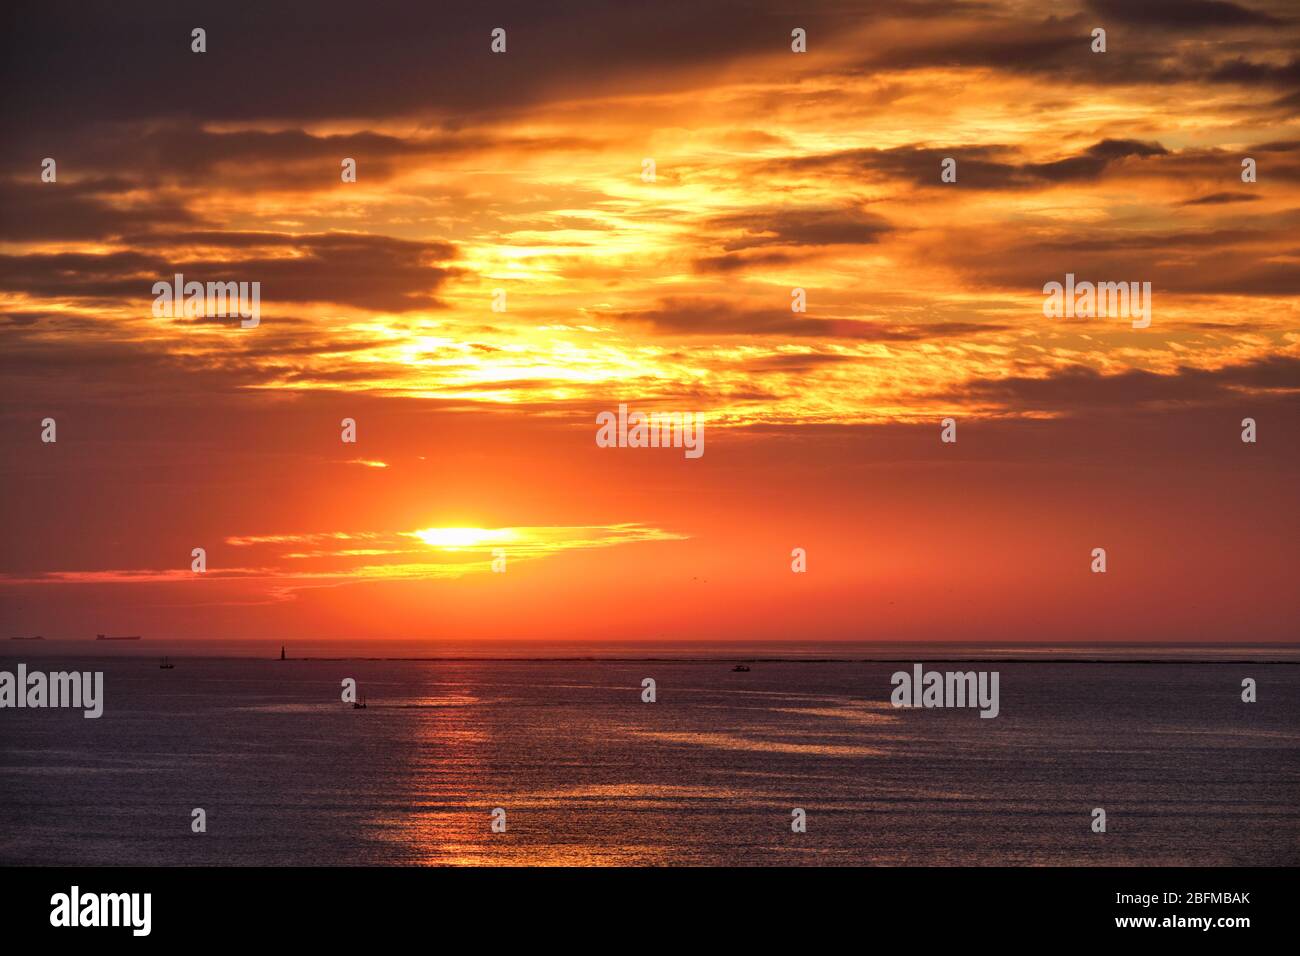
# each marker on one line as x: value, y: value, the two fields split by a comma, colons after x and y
x: 707, y: 775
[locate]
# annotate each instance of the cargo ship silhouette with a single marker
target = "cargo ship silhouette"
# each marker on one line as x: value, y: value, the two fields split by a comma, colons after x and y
x: 129, y: 637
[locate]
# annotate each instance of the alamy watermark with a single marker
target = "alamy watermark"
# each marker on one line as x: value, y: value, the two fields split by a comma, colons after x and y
x: 651, y: 430
x: 923, y: 688
x: 79, y: 689
x: 1121, y: 300
x: 213, y: 300
x: 75, y: 908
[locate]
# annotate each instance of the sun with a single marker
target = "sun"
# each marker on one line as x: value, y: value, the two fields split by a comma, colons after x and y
x: 452, y: 538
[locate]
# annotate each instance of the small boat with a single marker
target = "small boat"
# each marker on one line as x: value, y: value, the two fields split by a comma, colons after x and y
x: 742, y: 668
x: 129, y: 637
x: 359, y: 704
x: 36, y: 638
x: 166, y: 665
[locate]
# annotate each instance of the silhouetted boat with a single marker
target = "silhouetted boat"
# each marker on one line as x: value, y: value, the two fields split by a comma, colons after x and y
x: 36, y: 638
x: 166, y: 665
x: 359, y: 704
x: 129, y: 637
x: 740, y: 667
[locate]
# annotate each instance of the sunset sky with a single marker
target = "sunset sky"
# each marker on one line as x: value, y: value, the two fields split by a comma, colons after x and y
x: 775, y: 170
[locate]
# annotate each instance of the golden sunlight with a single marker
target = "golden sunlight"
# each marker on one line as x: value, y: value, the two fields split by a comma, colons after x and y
x: 453, y: 538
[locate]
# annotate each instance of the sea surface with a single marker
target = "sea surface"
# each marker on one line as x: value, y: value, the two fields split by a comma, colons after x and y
x: 708, y: 774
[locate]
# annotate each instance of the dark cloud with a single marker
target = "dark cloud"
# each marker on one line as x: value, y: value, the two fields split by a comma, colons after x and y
x: 1015, y: 44
x: 1221, y: 199
x: 736, y: 263
x: 801, y: 362
x: 123, y: 362
x: 799, y: 227
x: 692, y: 316
x: 1080, y: 389
x: 1283, y: 146
x: 182, y: 153
x: 1184, y: 14
x: 1279, y: 278
x: 366, y: 271
x: 1094, y: 161
x: 1055, y: 47
x: 89, y: 209
x: 23, y: 318
x: 1156, y: 42
x: 978, y: 167
x: 1252, y: 72
x: 68, y: 62
x: 1251, y: 255
x: 785, y: 236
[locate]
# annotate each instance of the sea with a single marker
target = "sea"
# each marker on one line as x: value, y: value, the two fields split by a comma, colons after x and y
x: 564, y: 753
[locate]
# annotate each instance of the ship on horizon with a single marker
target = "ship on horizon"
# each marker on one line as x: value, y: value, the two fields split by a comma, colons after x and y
x: 128, y: 637
x: 36, y: 638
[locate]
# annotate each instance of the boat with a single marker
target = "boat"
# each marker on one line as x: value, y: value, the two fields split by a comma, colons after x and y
x: 36, y: 638
x: 359, y: 704
x: 166, y: 665
x: 741, y: 667
x: 129, y: 637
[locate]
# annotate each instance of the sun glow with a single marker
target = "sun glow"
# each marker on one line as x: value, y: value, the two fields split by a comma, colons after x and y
x: 463, y: 537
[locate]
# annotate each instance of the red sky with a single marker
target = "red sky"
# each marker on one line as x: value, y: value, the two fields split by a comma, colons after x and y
x: 774, y: 170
